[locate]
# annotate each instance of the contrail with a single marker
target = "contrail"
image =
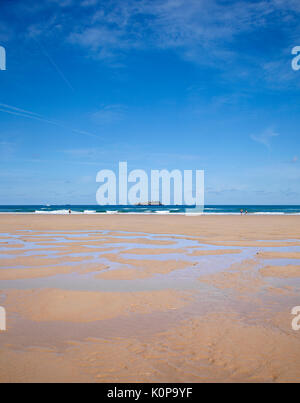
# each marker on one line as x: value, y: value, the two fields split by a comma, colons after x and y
x: 13, y: 110
x: 27, y: 115
x: 19, y: 109
x: 54, y: 65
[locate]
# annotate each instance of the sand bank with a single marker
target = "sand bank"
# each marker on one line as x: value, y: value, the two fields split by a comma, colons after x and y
x: 281, y: 271
x: 212, y: 228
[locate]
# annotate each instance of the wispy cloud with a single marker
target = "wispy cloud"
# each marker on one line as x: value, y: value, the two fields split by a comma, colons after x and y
x: 89, y: 3
x: 200, y: 31
x: 265, y: 137
x: 197, y: 29
x: 62, y: 3
x: 13, y: 110
x: 109, y: 114
x: 6, y: 149
x: 82, y: 152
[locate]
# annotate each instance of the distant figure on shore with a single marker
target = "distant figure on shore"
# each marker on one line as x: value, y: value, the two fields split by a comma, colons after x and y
x: 69, y: 211
x: 242, y: 211
x: 246, y: 212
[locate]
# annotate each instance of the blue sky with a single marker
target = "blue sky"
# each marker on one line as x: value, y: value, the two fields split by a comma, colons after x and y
x: 186, y: 84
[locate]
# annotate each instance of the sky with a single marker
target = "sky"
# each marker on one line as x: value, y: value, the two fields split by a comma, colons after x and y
x: 174, y: 84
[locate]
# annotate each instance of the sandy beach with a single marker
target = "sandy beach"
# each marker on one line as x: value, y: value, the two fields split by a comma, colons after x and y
x: 148, y: 298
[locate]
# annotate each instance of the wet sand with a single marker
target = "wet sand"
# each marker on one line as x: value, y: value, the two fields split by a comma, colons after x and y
x: 215, y: 228
x: 149, y: 298
x: 281, y: 271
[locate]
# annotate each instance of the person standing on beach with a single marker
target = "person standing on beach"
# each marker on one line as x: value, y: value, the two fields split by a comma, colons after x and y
x: 242, y: 211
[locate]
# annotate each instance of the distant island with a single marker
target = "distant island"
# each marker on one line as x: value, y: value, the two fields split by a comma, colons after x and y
x: 150, y: 203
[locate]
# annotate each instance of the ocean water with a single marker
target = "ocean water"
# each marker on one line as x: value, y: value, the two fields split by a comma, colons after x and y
x: 96, y: 209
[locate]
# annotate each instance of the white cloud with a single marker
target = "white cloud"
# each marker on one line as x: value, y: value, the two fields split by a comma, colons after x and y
x: 189, y: 26
x: 81, y: 152
x: 109, y: 114
x: 89, y: 3
x: 265, y: 137
x: 201, y: 31
x: 63, y: 3
x: 7, y: 149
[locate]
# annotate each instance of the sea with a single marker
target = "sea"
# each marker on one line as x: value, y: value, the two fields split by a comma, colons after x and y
x: 164, y: 209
